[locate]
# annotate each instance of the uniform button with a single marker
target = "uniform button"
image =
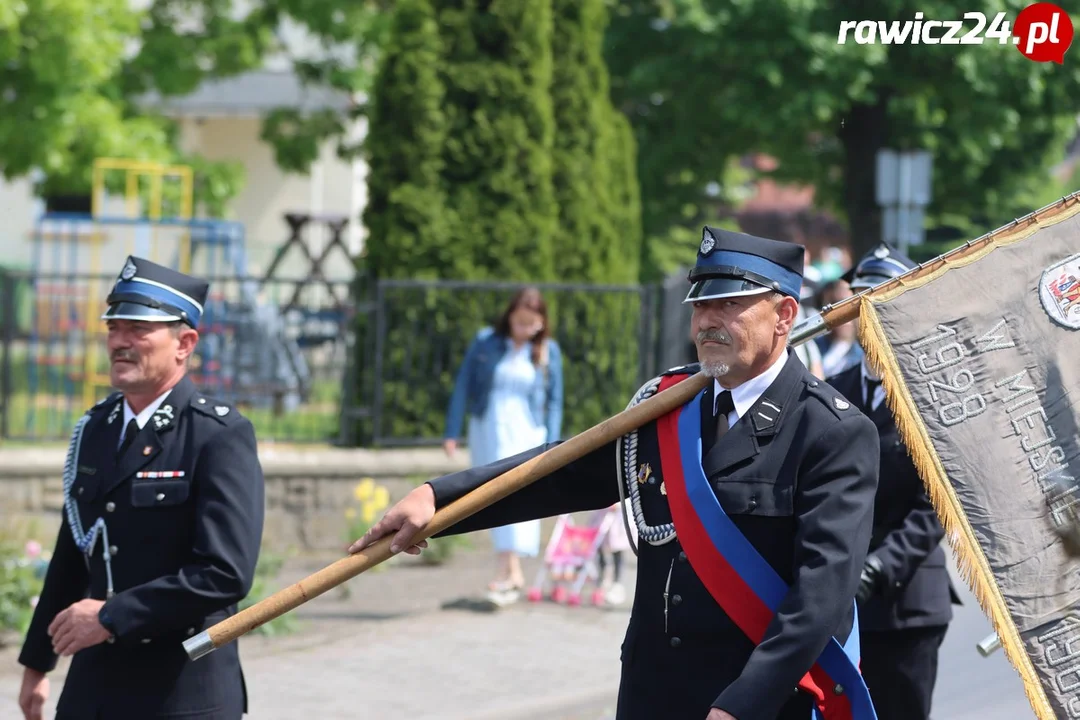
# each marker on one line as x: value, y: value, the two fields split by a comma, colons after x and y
x: 81, y: 489
x: 838, y: 690
x: 202, y: 401
x: 652, y: 480
x: 146, y: 641
x: 676, y: 599
x: 160, y: 496
x: 675, y: 642
x: 813, y: 383
x: 752, y: 504
x: 113, y: 549
x: 110, y: 506
x: 682, y: 556
x: 191, y: 631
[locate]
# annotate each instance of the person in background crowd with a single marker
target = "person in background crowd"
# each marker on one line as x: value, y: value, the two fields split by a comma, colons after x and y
x: 905, y: 593
x: 808, y: 352
x: 511, y: 386
x: 839, y: 348
x: 615, y: 545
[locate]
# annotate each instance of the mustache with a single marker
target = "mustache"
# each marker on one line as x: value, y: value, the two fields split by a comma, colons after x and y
x: 124, y: 355
x: 713, y: 335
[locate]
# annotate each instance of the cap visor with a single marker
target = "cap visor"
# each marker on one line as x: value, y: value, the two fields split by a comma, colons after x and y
x: 868, y: 281
x: 716, y: 288
x: 135, y: 311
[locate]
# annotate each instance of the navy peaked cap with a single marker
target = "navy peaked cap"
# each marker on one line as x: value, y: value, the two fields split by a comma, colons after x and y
x: 882, y: 263
x: 731, y: 264
x: 154, y: 293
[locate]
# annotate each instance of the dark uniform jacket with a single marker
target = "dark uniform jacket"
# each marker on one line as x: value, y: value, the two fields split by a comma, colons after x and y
x: 800, y: 486
x: 907, y: 534
x: 184, y: 551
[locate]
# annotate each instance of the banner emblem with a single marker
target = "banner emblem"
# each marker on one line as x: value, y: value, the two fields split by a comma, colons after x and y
x: 1059, y: 292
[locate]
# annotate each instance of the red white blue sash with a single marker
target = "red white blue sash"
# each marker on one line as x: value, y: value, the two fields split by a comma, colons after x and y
x: 740, y: 580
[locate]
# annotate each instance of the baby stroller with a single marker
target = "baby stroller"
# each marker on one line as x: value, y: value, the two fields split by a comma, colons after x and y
x: 570, y: 560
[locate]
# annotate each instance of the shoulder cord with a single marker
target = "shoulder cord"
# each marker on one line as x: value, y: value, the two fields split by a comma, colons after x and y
x: 84, y: 540
x: 625, y: 463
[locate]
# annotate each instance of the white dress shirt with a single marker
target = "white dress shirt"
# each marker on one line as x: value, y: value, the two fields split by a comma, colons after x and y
x: 143, y: 417
x: 744, y: 396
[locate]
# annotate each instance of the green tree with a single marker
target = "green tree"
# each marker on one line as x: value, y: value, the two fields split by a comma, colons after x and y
x: 74, y: 91
x: 599, y: 234
x: 406, y: 138
x: 706, y: 80
x: 497, y: 70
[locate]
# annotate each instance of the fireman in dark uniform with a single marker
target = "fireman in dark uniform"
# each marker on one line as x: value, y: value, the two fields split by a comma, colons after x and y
x: 905, y: 594
x: 161, y: 527
x: 792, y: 464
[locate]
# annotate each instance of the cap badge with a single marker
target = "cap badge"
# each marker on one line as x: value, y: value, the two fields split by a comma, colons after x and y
x: 708, y: 242
x: 129, y: 270
x: 881, y: 252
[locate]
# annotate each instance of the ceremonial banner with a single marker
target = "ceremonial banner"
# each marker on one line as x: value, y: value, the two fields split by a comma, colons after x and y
x: 980, y: 357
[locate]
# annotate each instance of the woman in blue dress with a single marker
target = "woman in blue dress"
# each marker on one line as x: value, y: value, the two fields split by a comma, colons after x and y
x: 511, y: 387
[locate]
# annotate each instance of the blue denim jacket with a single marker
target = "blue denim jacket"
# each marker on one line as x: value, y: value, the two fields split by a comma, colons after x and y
x: 474, y: 380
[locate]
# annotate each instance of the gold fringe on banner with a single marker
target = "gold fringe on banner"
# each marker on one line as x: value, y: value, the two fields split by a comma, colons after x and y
x: 971, y: 561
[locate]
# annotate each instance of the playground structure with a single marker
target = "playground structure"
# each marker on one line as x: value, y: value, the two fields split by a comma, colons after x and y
x: 251, y: 350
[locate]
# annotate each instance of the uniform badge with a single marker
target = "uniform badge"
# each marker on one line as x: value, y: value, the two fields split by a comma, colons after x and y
x: 114, y: 413
x: 147, y: 450
x: 1059, y: 292
x: 708, y: 242
x: 663, y: 488
x: 221, y: 410
x: 163, y: 416
x: 129, y: 270
x: 840, y: 403
x: 644, y: 473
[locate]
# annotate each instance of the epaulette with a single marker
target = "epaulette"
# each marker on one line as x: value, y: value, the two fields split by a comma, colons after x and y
x: 223, y: 412
x: 691, y: 369
x: 831, y: 398
x: 108, y: 399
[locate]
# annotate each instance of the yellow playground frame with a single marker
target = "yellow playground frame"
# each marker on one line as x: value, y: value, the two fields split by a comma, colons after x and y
x: 134, y: 171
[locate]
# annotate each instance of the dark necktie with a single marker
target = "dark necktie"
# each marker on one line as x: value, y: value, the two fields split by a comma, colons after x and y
x: 724, y: 405
x: 871, y: 388
x: 129, y: 436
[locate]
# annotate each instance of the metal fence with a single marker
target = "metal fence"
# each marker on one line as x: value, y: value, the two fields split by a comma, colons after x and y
x: 278, y: 349
x: 350, y: 363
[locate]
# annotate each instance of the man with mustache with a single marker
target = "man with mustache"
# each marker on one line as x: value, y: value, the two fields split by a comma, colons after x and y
x: 753, y: 504
x: 161, y: 527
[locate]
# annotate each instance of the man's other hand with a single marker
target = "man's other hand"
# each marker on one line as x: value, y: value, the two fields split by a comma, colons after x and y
x: 33, y: 694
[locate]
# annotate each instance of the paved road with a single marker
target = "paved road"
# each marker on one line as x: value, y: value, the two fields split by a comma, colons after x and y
x: 525, y: 663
